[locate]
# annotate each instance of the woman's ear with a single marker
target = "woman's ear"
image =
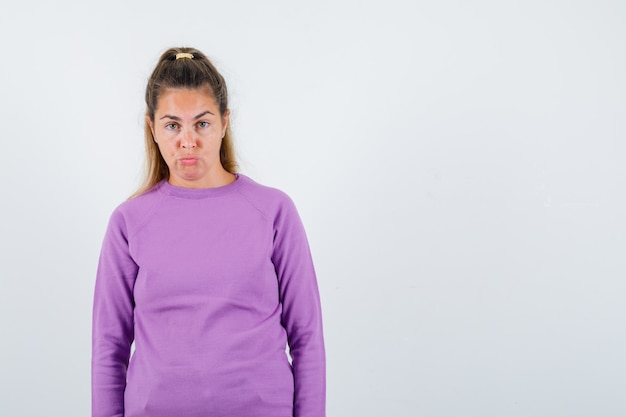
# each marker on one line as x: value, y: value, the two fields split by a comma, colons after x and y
x: 225, y: 121
x: 151, y: 125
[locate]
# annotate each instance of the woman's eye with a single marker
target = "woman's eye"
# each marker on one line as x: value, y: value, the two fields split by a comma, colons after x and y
x: 171, y: 126
x: 203, y: 124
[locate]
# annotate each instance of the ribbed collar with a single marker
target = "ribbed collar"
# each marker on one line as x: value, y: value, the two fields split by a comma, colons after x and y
x: 199, y: 193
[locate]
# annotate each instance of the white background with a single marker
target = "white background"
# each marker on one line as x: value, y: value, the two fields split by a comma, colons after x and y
x: 459, y: 167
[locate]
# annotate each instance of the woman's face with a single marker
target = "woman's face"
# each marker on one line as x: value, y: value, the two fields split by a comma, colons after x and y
x: 188, y: 129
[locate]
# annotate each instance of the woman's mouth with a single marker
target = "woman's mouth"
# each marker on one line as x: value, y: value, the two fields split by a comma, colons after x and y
x: 188, y: 160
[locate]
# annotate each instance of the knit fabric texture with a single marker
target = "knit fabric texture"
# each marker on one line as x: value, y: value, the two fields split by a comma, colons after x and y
x: 211, y: 285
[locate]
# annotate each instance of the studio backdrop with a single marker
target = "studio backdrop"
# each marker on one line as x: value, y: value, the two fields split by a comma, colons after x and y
x: 458, y: 166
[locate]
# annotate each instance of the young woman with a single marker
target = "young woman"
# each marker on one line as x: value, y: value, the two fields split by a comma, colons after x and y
x: 206, y: 271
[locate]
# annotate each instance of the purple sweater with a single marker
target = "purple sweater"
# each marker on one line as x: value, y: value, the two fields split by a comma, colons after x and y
x: 211, y: 285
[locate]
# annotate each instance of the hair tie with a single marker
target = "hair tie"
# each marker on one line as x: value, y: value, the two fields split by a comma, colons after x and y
x: 184, y: 55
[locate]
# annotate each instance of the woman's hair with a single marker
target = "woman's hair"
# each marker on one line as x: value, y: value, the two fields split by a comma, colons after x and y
x: 182, y: 68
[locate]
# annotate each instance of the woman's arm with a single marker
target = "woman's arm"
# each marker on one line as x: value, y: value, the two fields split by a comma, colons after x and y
x: 302, y: 316
x: 112, y: 332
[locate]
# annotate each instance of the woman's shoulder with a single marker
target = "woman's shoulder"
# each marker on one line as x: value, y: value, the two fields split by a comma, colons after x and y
x: 137, y: 208
x: 265, y: 198
x: 140, y: 201
x: 253, y: 187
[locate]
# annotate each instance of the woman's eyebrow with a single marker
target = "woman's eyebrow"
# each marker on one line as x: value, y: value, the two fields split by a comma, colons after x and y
x: 178, y: 119
x: 202, y: 114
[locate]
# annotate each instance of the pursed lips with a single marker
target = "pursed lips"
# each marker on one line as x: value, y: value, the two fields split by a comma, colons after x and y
x: 188, y: 160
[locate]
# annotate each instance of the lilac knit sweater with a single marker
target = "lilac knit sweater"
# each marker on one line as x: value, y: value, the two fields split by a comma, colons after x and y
x: 210, y: 284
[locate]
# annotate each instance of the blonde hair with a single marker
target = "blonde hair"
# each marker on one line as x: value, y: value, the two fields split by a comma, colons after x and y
x: 182, y: 72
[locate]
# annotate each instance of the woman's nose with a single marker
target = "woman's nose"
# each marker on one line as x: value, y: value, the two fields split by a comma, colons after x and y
x: 188, y: 140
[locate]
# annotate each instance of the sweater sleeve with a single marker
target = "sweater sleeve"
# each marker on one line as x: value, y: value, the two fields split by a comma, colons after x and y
x: 301, y: 316
x: 112, y: 331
